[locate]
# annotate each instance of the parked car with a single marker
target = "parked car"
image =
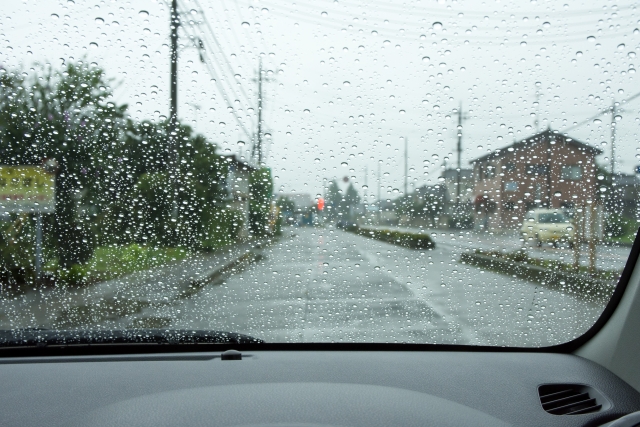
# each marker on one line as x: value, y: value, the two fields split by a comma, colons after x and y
x: 547, y: 226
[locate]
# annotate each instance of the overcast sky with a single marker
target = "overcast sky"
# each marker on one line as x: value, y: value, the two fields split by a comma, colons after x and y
x: 348, y: 79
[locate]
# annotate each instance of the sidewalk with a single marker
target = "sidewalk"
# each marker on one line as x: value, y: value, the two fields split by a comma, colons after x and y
x: 104, y: 304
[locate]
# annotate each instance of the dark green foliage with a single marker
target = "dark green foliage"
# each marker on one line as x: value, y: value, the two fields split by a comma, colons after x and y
x: 400, y: 238
x: 261, y: 188
x: 119, y: 182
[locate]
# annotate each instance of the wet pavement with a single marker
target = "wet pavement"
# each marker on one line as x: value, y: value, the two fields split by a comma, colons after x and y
x: 328, y: 285
x: 321, y: 285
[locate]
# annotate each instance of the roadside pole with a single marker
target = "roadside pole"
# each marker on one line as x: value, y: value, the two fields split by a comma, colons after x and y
x: 38, y: 247
x: 578, y: 225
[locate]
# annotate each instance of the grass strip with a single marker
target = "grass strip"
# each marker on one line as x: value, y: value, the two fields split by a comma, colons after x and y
x: 552, y: 274
x: 395, y: 237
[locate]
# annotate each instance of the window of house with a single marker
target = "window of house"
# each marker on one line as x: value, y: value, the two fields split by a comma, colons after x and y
x: 571, y: 172
x: 511, y: 186
x: 509, y: 205
x: 490, y: 171
x: 537, y: 169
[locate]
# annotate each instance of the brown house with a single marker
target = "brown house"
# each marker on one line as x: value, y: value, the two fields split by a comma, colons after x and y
x: 546, y: 170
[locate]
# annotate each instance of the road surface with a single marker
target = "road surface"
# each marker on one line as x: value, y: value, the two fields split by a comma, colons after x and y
x: 329, y: 285
x: 322, y: 285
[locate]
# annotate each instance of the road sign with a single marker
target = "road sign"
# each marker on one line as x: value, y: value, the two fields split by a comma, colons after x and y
x: 26, y: 189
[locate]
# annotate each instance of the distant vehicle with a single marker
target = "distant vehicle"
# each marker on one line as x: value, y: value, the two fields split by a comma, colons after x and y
x: 548, y: 226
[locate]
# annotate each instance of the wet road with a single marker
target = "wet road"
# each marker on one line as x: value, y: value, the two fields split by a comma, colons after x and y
x: 328, y: 285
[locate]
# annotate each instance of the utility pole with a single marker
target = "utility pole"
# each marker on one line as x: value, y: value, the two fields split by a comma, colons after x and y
x: 614, y: 110
x: 258, y: 147
x: 366, y: 184
x: 536, y: 122
x: 379, y: 187
x: 461, y: 117
x: 173, y: 111
x: 406, y: 167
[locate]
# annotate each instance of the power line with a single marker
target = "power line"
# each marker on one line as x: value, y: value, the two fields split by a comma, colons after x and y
x: 600, y: 113
x: 221, y: 88
x: 306, y: 16
x: 212, y: 34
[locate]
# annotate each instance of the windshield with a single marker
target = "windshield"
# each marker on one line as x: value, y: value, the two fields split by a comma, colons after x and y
x: 347, y: 171
x: 553, y: 218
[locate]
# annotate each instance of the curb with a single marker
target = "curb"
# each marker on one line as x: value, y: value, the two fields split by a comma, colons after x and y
x: 553, y: 279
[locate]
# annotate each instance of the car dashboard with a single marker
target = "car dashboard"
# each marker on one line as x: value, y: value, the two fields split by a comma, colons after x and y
x: 330, y: 388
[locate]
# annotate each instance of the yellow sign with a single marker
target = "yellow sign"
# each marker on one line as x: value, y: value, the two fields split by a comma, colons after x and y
x: 26, y: 189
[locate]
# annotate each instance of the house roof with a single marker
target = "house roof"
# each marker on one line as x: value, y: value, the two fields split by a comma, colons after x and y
x: 542, y: 136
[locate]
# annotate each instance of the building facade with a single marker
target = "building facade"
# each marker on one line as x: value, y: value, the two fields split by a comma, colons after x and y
x: 546, y: 170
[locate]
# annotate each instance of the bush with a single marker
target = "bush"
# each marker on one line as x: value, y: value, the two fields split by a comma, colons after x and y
x: 400, y: 238
x: 221, y: 228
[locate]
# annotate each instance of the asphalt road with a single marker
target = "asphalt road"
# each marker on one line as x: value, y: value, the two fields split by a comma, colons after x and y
x: 320, y: 285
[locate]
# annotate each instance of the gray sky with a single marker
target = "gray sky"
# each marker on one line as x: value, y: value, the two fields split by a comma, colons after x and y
x: 349, y: 79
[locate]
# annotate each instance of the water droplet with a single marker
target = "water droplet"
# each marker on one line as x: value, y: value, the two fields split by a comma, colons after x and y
x: 591, y: 39
x: 617, y: 118
x: 316, y: 160
x: 99, y: 20
x: 557, y: 194
x: 93, y: 45
x: 621, y: 46
x: 579, y: 53
x: 546, y: 24
x: 55, y: 16
x: 346, y: 83
x: 143, y: 13
x: 324, y: 14
x: 402, y: 111
x: 245, y: 24
x: 265, y: 10
x: 386, y: 42
x: 365, y: 187
x: 597, y: 121
x: 631, y: 54
x: 426, y: 59
x: 344, y: 164
x: 523, y: 43
x: 374, y: 33
x: 307, y: 111
x: 437, y: 25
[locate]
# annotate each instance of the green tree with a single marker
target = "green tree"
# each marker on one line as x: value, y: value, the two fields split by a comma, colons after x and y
x: 286, y: 205
x: 333, y: 200
x: 64, y: 116
x: 261, y: 189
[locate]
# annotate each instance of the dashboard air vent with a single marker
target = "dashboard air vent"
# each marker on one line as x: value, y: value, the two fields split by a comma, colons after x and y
x: 571, y: 399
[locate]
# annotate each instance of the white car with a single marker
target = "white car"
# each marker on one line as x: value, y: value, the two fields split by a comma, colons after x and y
x: 547, y: 226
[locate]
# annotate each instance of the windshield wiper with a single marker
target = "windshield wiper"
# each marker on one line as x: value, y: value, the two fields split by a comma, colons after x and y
x: 51, y: 337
